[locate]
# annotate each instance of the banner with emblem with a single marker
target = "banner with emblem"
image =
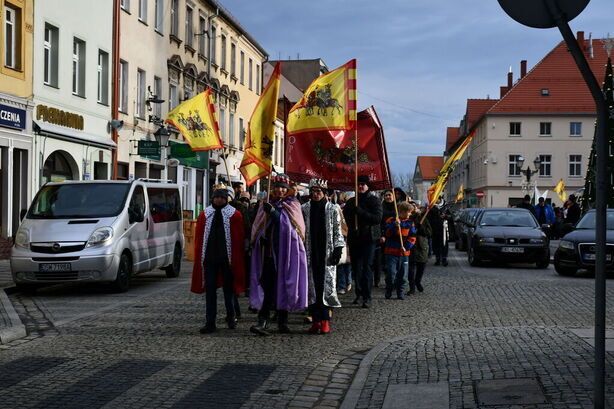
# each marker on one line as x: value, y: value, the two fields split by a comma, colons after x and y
x: 329, y: 103
x: 195, y: 120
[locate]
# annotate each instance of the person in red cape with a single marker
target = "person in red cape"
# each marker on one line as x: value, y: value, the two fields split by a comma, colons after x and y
x: 219, y: 257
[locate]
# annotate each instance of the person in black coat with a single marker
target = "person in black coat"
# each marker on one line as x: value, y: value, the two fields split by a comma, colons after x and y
x: 362, y: 237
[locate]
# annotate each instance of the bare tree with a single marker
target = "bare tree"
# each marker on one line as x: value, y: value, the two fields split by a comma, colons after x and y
x: 405, y: 181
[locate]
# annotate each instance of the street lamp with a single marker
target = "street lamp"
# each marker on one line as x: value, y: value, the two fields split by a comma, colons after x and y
x: 528, y: 172
x: 557, y: 13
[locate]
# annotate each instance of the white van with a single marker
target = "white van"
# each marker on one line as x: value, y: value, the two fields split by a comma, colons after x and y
x: 102, y: 231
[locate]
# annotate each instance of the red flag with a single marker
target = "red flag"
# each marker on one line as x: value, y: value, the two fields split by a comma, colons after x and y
x: 330, y: 155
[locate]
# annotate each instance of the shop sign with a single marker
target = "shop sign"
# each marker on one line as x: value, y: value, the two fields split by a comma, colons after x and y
x: 187, y: 157
x: 149, y: 148
x: 12, y: 117
x: 58, y: 117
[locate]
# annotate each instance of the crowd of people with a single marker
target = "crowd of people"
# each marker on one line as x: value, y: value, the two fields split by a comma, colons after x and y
x: 293, y: 253
x: 560, y: 219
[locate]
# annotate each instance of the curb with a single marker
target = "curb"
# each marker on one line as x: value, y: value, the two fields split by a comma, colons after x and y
x: 16, y: 330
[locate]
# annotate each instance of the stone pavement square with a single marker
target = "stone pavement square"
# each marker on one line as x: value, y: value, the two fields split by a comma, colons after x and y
x: 417, y: 396
x: 509, y: 392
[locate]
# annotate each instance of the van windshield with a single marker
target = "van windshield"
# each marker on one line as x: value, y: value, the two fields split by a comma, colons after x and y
x: 86, y: 200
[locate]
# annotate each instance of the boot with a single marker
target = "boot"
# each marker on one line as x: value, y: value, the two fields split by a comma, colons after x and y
x: 315, y: 327
x: 261, y: 327
x: 232, y: 322
x: 325, y: 327
x: 208, y: 328
x: 282, y: 322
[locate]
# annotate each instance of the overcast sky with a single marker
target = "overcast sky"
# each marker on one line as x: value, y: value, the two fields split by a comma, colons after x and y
x: 418, y: 61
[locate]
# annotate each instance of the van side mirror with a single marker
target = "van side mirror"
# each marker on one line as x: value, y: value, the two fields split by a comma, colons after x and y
x: 22, y: 214
x: 135, y: 214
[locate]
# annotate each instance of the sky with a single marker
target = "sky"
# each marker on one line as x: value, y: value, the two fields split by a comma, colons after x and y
x: 417, y: 61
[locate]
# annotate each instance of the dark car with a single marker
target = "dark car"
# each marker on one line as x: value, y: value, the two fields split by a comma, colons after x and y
x: 577, y: 249
x: 508, y: 235
x: 462, y: 226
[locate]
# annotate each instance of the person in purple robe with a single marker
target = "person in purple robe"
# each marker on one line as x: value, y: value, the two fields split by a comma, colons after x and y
x: 279, y: 274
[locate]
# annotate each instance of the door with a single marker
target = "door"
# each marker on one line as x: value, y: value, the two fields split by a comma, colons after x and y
x: 139, y: 231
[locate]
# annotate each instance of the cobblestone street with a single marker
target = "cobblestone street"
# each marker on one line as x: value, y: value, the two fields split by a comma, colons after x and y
x: 471, y: 326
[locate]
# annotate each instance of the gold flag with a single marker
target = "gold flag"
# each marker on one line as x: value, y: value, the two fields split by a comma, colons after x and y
x: 460, y: 195
x: 257, y: 159
x: 195, y: 119
x: 559, y: 189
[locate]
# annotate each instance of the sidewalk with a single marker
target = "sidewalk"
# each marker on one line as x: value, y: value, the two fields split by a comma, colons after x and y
x: 11, y: 327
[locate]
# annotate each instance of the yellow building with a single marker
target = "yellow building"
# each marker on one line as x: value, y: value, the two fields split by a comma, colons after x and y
x: 16, y: 38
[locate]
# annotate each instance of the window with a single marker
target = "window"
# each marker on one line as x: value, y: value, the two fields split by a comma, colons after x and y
x: 138, y: 199
x: 575, y: 129
x: 50, y: 56
x: 78, y: 67
x: 257, y: 79
x: 125, y: 4
x: 189, y: 32
x: 164, y: 205
x: 513, y: 167
x: 12, y: 37
x: 143, y: 10
x: 250, y: 75
x: 545, y: 129
x: 213, y: 44
x: 231, y: 128
x: 515, y: 128
x: 159, y: 24
x: 575, y: 165
x: 172, y: 96
x: 157, y: 90
x: 202, y: 36
x: 223, y: 58
x: 242, y: 72
x: 223, y: 123
x: 140, y: 93
x: 233, y: 60
x: 174, y: 17
x: 103, y: 77
x: 241, y: 133
x: 545, y: 167
x: 123, y: 86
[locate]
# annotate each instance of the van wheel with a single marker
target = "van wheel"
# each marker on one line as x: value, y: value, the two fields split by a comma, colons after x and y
x: 124, y: 272
x: 172, y: 271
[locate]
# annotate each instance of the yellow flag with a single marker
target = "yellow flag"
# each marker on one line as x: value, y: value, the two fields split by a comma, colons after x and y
x: 195, y: 119
x: 436, y: 188
x: 559, y: 189
x: 460, y: 195
x: 257, y: 159
x: 328, y: 104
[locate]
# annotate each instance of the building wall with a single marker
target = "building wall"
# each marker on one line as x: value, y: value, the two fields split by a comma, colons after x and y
x: 18, y: 81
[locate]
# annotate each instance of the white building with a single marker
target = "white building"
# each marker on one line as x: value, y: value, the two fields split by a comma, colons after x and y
x: 71, y: 85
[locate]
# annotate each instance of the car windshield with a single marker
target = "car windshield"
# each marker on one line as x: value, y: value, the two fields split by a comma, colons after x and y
x: 589, y: 220
x: 508, y: 219
x: 84, y: 200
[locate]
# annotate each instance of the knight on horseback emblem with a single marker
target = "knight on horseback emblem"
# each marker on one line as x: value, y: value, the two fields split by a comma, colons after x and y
x: 194, y: 124
x: 322, y: 100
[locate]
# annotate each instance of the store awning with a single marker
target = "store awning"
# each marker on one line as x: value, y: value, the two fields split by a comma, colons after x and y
x: 71, y: 135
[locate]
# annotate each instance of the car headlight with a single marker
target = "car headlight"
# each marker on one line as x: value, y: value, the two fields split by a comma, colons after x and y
x: 100, y: 236
x: 536, y: 241
x: 22, y: 239
x: 487, y: 240
x: 566, y: 244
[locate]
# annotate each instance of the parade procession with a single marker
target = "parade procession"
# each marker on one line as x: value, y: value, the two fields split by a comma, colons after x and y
x: 273, y: 204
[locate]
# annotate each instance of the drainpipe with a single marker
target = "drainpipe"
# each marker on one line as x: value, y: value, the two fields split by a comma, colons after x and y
x: 115, y: 85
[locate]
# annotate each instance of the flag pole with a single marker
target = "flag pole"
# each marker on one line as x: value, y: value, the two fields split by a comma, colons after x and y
x: 396, y: 212
x: 226, y: 166
x: 356, y: 174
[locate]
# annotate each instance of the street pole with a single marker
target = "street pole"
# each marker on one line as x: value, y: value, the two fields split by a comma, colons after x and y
x: 115, y: 83
x: 601, y: 205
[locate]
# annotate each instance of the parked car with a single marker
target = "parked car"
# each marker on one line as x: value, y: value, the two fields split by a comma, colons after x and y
x: 577, y: 249
x: 102, y: 231
x: 462, y: 226
x: 508, y: 235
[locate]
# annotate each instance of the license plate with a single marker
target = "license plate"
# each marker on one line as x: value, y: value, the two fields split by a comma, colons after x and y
x: 593, y: 257
x: 512, y: 249
x: 54, y: 267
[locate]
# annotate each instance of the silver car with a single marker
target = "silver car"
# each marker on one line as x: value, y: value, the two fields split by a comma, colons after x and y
x: 103, y: 231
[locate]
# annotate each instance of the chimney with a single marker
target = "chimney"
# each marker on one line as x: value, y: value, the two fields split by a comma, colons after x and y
x: 580, y: 37
x: 510, y: 79
x: 503, y: 91
x: 523, y: 68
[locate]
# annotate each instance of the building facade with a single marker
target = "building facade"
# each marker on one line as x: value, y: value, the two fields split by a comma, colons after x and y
x: 16, y: 152
x: 545, y: 121
x: 184, y: 46
x: 72, y: 91
x: 425, y: 173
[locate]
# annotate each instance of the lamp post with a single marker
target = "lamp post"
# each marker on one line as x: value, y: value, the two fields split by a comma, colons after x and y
x: 528, y: 172
x: 557, y: 13
x: 162, y: 135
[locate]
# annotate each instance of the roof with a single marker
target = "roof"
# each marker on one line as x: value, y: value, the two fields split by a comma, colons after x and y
x: 429, y: 166
x: 451, y: 136
x: 476, y: 108
x: 558, y: 73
